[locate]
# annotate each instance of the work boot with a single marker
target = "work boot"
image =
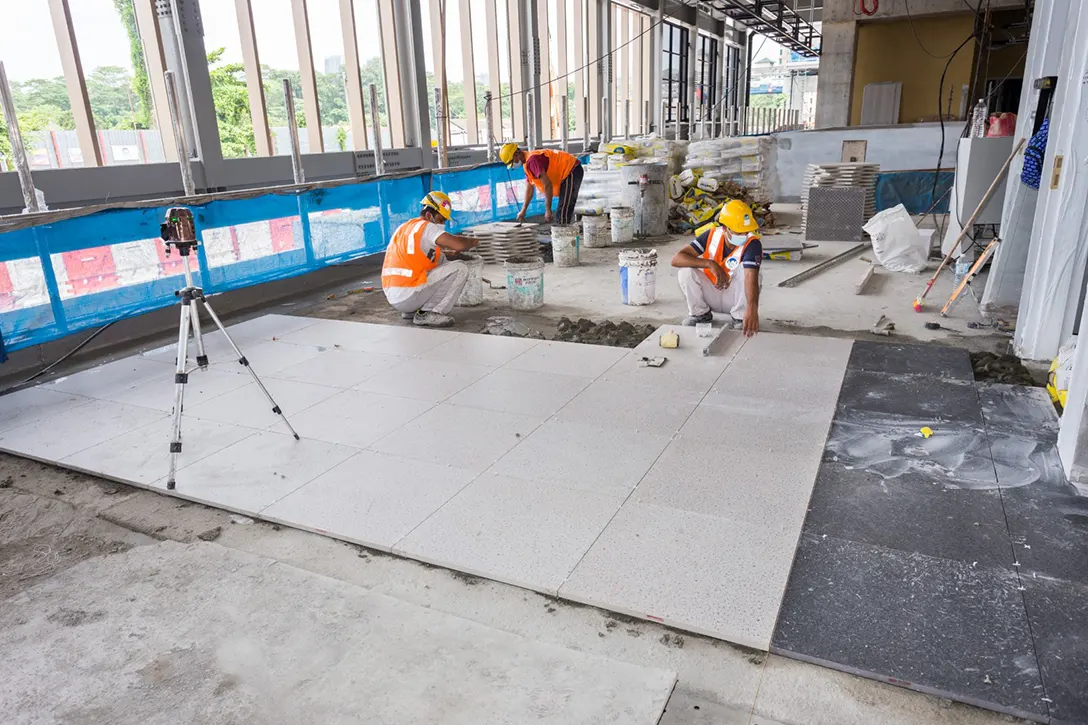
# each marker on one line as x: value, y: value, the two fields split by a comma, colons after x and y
x: 407, y: 315
x: 432, y: 319
x: 693, y: 320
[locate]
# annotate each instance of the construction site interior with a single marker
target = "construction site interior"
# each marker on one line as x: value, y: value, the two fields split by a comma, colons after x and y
x: 709, y: 362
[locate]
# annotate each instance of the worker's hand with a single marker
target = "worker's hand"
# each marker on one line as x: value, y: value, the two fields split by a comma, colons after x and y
x: 751, y: 322
x: 547, y: 215
x: 721, y: 279
x: 521, y: 217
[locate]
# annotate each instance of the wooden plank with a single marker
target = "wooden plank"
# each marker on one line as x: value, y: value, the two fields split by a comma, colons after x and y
x: 251, y: 62
x: 354, y: 76
x: 859, y: 288
x: 75, y: 82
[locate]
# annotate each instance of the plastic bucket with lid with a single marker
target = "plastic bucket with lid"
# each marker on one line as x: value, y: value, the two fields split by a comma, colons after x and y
x: 638, y: 276
x: 623, y: 224
x: 565, y: 245
x: 525, y: 282
x: 596, y: 231
x: 473, y: 293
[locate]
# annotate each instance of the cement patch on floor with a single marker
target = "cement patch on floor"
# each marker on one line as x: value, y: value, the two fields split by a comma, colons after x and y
x: 198, y: 633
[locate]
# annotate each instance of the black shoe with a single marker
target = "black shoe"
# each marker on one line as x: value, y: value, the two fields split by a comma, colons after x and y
x: 694, y: 320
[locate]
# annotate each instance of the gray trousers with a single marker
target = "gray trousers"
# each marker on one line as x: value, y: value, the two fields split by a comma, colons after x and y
x: 438, y: 294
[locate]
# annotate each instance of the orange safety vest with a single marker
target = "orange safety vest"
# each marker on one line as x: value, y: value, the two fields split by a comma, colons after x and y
x: 715, y: 249
x: 560, y: 164
x: 406, y: 264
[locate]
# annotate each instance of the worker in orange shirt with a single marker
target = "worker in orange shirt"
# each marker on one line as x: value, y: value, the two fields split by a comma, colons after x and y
x: 555, y: 174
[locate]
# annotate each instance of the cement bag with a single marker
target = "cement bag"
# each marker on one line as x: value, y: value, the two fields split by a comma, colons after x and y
x: 896, y: 242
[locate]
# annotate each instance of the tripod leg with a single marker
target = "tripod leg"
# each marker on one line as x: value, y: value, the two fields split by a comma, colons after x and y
x: 242, y: 359
x: 198, y: 337
x: 181, y: 377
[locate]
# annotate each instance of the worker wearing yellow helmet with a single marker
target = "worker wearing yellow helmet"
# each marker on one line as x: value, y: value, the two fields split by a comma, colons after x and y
x: 417, y: 277
x: 708, y: 270
x: 555, y: 174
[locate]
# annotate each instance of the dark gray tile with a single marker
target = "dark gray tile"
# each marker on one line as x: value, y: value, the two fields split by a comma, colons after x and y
x: 911, y: 512
x: 1018, y: 410
x: 1058, y: 612
x: 931, y: 623
x: 1048, y: 523
x: 933, y: 400
x: 932, y: 361
x: 956, y: 455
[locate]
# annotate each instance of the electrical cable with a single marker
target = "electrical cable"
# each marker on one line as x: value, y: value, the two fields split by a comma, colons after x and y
x: 61, y: 359
x: 910, y: 20
x: 861, y: 7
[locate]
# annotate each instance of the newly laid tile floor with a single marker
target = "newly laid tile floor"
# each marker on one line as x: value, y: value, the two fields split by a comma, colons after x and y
x: 675, y: 494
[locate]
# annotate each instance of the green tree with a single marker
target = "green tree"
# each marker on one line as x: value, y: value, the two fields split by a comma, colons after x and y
x: 767, y: 100
x: 141, y: 84
x: 113, y: 102
x: 231, y: 100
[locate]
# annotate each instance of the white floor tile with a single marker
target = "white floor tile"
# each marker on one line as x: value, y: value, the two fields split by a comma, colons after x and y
x: 431, y: 380
x: 258, y: 471
x: 357, y: 418
x: 520, y: 391
x: 358, y: 336
x: 746, y: 386
x: 57, y: 436
x: 269, y: 357
x: 113, y: 378
x: 598, y: 460
x: 203, y: 385
x: 371, y: 499
x: 724, y: 579
x: 248, y: 407
x: 568, y: 358
x: 612, y: 405
x: 339, y: 368
x: 514, y: 531
x: 143, y: 456
x: 26, y: 406
x: 459, y: 436
x: 264, y: 328
x: 788, y: 352
x: 686, y: 368
x: 492, y: 350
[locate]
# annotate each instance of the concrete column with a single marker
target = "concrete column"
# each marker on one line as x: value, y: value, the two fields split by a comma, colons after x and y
x: 408, y: 19
x: 1058, y: 254
x: 689, y: 100
x: 533, y: 37
x: 658, y: 69
x: 836, y: 74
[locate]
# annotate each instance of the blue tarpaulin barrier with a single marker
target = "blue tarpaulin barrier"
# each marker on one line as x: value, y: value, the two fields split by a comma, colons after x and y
x: 912, y: 189
x: 82, y: 272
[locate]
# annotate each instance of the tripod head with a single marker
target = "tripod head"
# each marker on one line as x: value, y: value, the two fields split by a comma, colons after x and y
x: 178, y: 230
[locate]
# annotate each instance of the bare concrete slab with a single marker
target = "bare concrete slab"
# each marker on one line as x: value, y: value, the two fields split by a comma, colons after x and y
x: 198, y: 633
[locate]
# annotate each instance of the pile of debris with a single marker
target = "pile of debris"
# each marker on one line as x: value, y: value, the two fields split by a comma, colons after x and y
x: 696, y: 208
x: 1000, y: 369
x: 623, y: 334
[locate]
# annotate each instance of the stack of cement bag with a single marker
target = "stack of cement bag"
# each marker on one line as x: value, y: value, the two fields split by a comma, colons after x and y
x: 748, y: 161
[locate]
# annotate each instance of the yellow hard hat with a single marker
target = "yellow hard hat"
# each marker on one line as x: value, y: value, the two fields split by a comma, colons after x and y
x: 440, y: 202
x: 506, y: 153
x: 738, y: 217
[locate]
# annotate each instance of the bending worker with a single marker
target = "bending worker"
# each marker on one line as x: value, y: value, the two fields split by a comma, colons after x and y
x: 417, y: 278
x: 709, y: 265
x: 552, y: 173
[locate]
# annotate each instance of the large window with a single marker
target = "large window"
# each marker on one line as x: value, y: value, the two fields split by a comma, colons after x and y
x: 706, y: 76
x: 674, y: 81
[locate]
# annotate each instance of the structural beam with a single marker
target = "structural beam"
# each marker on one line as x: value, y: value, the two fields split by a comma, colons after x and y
x: 353, y: 76
x: 74, y: 81
x: 494, y: 72
x: 148, y: 26
x: 562, y: 83
x: 578, y: 26
x: 472, y: 118
x: 638, y: 71
x: 307, y: 75
x: 394, y: 107
x: 542, y: 70
x: 594, y: 72
x: 518, y: 64
x: 258, y: 111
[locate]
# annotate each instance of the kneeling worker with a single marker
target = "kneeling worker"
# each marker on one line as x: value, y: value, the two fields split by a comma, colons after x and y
x: 707, y: 267
x: 552, y: 173
x: 416, y: 278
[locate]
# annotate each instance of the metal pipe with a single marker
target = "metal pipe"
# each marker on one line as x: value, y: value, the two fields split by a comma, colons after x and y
x: 490, y: 123
x: 22, y: 165
x: 565, y: 130
x: 585, y: 125
x: 175, y: 12
x: 376, y: 124
x: 627, y: 118
x: 646, y: 106
x: 664, y: 115
x: 440, y: 125
x: 292, y: 129
x: 184, y: 162
x: 530, y: 121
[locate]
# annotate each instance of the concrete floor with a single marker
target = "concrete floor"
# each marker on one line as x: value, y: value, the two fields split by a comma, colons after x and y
x: 54, y: 519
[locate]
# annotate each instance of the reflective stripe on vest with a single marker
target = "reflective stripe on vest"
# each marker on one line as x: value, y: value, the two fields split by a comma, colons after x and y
x: 406, y: 265
x: 560, y: 164
x: 715, y: 250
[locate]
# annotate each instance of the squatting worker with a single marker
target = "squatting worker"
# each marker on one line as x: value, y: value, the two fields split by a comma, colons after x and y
x: 417, y: 278
x: 709, y: 265
x: 553, y: 174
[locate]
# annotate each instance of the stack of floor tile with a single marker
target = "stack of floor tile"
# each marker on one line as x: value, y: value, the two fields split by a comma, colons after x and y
x: 839, y: 176
x: 500, y: 241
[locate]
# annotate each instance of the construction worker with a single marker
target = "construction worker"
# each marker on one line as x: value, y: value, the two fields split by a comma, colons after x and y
x: 553, y: 174
x: 708, y: 269
x: 417, y: 278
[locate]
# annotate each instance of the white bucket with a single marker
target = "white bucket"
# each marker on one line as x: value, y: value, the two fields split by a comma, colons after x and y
x: 638, y: 276
x: 565, y: 245
x: 623, y: 224
x: 525, y: 282
x: 473, y: 293
x: 596, y: 231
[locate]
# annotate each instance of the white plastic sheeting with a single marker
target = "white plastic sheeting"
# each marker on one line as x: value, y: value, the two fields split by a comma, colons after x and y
x: 1059, y: 248
x: 1006, y: 279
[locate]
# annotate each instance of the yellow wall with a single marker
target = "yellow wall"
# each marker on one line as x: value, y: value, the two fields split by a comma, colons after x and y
x: 889, y: 52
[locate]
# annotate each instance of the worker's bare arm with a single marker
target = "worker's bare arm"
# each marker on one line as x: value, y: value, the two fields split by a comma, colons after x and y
x: 456, y: 243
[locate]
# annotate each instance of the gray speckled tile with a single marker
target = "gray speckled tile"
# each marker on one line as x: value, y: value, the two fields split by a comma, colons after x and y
x: 931, y: 361
x: 1058, y: 610
x: 1018, y: 410
x: 930, y: 399
x: 1048, y: 522
x: 930, y: 623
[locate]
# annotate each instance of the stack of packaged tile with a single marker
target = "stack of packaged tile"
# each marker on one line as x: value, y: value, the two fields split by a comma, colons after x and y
x: 602, y: 185
x: 839, y: 176
x: 500, y: 241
